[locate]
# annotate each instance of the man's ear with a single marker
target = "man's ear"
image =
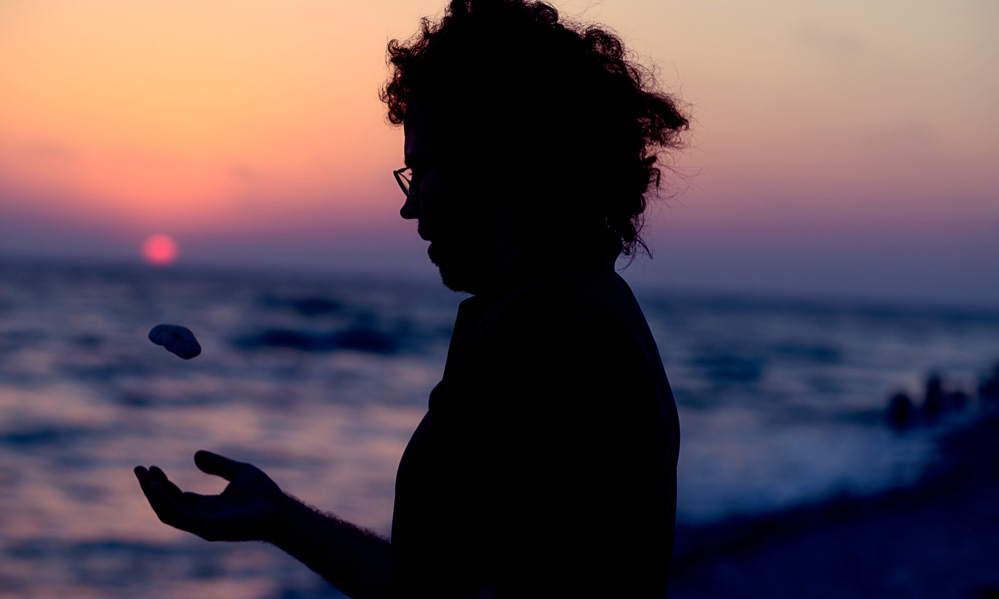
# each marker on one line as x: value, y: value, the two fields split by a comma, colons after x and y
x: 513, y: 233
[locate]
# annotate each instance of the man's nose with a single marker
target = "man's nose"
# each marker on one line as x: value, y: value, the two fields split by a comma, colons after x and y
x: 411, y: 209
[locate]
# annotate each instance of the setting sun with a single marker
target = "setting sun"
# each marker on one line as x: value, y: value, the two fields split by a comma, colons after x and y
x: 159, y: 250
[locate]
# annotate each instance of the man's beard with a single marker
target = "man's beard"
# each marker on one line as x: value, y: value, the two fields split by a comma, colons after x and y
x: 463, y: 266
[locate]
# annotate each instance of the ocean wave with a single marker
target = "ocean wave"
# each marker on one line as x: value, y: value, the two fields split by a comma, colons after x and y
x: 353, y: 339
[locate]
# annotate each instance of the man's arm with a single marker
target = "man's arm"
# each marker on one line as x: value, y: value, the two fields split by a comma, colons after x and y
x: 353, y: 559
x: 253, y: 508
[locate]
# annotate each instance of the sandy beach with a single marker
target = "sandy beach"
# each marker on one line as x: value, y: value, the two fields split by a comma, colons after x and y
x: 937, y: 539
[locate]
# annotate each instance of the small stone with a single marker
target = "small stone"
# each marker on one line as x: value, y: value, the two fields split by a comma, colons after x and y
x: 176, y: 339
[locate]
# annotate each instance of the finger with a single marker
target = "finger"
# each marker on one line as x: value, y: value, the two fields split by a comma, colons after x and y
x: 154, y: 493
x: 145, y: 478
x: 180, y: 512
x: 159, y: 476
x: 169, y: 510
x: 213, y: 463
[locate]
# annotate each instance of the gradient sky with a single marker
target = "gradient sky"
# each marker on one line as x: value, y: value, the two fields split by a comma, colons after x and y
x: 843, y: 148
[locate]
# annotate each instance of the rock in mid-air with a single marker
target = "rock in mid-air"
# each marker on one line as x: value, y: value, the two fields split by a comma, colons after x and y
x: 176, y: 339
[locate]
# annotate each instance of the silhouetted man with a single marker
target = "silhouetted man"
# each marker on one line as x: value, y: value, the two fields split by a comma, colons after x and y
x: 546, y: 462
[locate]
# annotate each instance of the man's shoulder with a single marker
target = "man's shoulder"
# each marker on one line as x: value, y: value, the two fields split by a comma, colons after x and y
x: 577, y: 297
x: 563, y: 320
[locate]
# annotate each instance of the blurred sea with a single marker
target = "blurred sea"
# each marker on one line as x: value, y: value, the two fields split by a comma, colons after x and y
x: 321, y: 380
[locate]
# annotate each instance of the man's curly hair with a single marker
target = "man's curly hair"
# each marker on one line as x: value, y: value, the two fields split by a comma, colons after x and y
x: 545, y: 103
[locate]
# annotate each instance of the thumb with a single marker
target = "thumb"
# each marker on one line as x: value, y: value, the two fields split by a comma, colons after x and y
x: 213, y: 463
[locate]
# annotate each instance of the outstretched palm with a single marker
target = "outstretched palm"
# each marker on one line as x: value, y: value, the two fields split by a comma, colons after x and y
x: 246, y: 510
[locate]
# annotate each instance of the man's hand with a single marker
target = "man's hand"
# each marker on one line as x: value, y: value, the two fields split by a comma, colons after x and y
x: 247, y: 510
x: 253, y: 508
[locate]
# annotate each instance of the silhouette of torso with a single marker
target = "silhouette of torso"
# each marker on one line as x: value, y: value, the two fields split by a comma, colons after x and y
x: 546, y: 462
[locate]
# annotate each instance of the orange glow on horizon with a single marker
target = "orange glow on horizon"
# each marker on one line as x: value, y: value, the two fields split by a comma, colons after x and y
x: 205, y: 120
x: 187, y: 113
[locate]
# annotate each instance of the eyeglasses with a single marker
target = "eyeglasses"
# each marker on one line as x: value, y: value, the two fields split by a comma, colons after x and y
x: 404, y: 180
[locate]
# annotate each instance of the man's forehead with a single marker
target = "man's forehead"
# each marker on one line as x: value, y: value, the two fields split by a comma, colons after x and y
x: 416, y: 146
x: 412, y: 144
x: 431, y: 139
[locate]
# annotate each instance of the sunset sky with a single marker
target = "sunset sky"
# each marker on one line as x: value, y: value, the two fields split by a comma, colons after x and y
x: 845, y: 148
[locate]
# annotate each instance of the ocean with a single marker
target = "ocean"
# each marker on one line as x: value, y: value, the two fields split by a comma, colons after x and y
x: 320, y: 380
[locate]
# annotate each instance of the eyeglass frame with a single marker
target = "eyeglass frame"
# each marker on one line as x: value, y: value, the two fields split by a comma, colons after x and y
x: 405, y: 183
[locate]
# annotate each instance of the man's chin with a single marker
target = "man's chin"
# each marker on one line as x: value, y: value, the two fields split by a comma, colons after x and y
x: 457, y: 274
x: 455, y: 281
